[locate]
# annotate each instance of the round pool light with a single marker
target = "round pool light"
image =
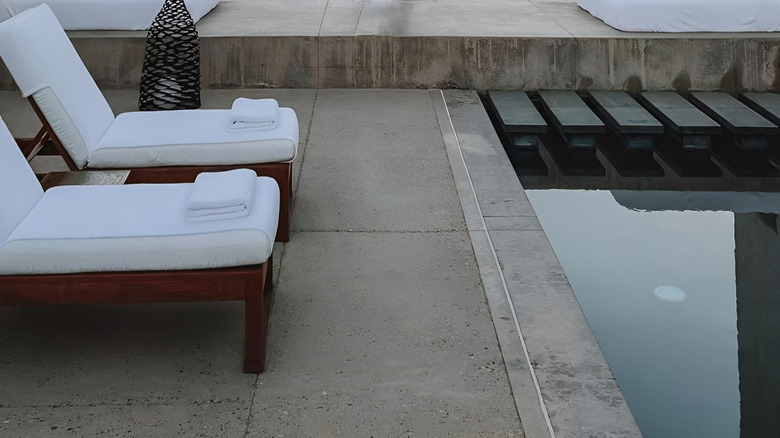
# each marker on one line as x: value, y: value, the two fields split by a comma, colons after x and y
x: 670, y: 294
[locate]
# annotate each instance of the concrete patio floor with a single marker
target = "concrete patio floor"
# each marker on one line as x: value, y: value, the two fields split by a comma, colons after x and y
x: 380, y: 323
x: 418, y: 294
x: 391, y: 316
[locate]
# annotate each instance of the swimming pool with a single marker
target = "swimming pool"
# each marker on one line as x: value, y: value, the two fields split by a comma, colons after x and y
x: 683, y: 295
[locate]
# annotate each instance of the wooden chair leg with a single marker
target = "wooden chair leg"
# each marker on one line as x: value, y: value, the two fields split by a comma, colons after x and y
x: 285, y: 207
x: 257, y: 311
x: 268, y: 293
x: 219, y: 284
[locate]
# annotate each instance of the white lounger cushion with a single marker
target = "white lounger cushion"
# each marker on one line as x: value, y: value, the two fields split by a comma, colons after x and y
x: 136, y: 227
x: 687, y: 15
x: 105, y: 14
x: 191, y: 137
x: 120, y: 228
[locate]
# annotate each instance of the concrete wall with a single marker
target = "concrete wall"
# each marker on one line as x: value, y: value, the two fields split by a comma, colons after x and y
x: 730, y: 64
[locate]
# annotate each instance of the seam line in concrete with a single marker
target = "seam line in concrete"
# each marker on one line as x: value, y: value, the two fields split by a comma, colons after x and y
x: 322, y: 22
x: 500, y: 272
x: 302, y: 153
x: 451, y: 230
x: 255, y: 390
x: 357, y: 23
x: 554, y: 20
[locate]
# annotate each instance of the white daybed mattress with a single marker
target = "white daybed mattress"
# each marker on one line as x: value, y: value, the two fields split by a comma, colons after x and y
x: 104, y: 14
x: 687, y: 15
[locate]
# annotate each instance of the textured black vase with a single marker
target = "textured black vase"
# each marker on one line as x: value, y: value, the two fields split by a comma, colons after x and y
x: 170, y: 76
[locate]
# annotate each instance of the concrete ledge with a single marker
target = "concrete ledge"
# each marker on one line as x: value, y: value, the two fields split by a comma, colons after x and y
x: 499, y: 44
x: 374, y: 61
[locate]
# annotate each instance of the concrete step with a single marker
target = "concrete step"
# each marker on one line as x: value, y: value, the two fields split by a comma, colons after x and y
x: 735, y: 138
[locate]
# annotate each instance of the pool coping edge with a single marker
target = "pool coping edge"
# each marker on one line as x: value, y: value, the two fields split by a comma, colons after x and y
x: 559, y: 377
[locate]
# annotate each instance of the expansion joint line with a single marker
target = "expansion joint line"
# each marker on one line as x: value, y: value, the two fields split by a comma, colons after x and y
x: 302, y: 153
x: 500, y: 273
x: 255, y: 390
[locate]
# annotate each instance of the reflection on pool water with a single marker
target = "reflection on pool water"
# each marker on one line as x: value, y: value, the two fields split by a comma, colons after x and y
x: 662, y: 278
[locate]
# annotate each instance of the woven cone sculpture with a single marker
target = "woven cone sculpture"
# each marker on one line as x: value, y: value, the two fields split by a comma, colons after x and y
x: 170, y: 76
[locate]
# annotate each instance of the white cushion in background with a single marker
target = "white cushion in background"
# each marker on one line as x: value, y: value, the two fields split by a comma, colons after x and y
x: 107, y: 14
x: 687, y: 15
x: 136, y: 227
x: 192, y: 137
x: 19, y: 188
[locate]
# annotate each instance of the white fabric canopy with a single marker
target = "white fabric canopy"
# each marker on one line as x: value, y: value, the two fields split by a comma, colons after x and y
x: 687, y: 15
x: 104, y: 14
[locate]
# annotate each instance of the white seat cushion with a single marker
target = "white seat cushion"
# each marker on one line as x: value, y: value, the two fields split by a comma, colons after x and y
x: 136, y: 228
x: 191, y: 137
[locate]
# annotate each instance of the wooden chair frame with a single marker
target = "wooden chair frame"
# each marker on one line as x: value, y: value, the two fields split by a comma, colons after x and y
x: 251, y: 284
x: 31, y: 146
x: 281, y: 172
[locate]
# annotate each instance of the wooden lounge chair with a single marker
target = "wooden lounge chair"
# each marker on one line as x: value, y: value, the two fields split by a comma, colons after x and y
x: 161, y: 146
x: 133, y: 244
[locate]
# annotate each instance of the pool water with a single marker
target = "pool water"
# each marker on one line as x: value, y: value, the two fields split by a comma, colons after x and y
x: 662, y: 278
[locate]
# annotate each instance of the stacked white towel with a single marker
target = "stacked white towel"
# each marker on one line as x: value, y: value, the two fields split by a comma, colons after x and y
x: 258, y: 114
x: 221, y: 195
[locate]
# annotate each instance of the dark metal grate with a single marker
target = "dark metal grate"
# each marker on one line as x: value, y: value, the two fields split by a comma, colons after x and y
x: 170, y: 76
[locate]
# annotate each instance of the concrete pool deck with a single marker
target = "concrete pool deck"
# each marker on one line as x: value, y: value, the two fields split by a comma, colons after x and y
x: 418, y: 295
x: 415, y: 257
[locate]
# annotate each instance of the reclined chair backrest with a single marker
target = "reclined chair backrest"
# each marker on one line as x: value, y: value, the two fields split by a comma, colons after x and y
x: 19, y: 188
x: 45, y: 65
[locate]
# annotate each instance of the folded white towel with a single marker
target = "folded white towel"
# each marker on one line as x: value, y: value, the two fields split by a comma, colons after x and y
x: 247, y: 125
x: 238, y: 208
x: 217, y: 214
x: 254, y: 114
x: 221, y: 195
